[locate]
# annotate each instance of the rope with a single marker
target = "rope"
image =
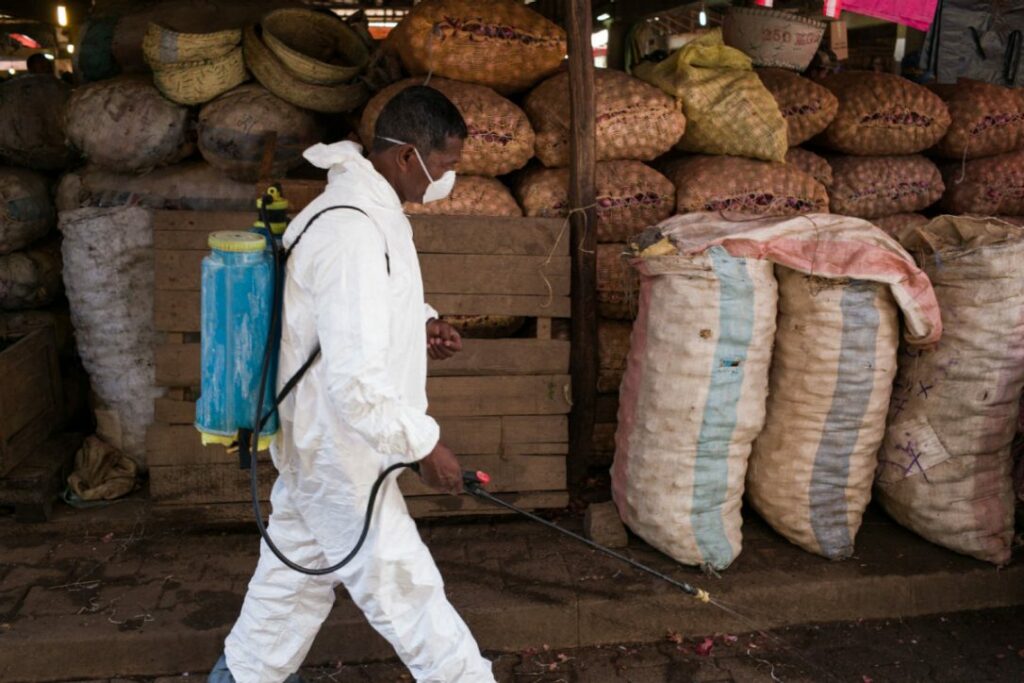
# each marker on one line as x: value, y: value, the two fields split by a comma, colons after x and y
x: 558, y: 240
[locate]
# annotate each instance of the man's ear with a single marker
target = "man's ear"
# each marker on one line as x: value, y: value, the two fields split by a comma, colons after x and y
x: 405, y: 156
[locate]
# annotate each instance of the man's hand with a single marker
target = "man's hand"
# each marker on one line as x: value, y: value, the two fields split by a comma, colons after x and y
x: 443, y: 340
x: 440, y: 470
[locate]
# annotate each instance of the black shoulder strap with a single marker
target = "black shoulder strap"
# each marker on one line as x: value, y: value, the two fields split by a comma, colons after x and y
x: 294, y: 380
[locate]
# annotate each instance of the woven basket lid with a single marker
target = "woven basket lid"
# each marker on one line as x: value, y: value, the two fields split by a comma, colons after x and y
x: 273, y: 75
x: 164, y: 47
x: 315, y: 47
x: 198, y: 82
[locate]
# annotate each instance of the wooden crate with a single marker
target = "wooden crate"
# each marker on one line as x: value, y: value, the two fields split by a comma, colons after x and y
x: 503, y: 404
x: 31, y: 399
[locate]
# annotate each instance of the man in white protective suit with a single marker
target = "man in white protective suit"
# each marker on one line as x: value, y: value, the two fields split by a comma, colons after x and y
x: 353, y: 285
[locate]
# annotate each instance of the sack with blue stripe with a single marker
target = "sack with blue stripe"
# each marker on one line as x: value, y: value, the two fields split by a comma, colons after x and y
x: 693, y: 398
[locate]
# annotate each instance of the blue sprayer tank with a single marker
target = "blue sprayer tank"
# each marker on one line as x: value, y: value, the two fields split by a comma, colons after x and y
x: 237, y: 301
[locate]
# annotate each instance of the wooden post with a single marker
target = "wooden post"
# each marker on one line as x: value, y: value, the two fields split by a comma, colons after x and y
x: 583, y: 156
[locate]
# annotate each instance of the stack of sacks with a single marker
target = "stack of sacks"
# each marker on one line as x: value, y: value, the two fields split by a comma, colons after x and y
x: 29, y: 260
x: 808, y: 109
x: 697, y: 379
x: 884, y: 122
x: 310, y: 59
x: 945, y: 464
x: 32, y: 124
x: 193, y: 68
x: 985, y: 171
x: 476, y: 53
x: 635, y: 122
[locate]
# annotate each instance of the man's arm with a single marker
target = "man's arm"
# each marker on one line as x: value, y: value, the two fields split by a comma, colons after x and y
x: 349, y: 284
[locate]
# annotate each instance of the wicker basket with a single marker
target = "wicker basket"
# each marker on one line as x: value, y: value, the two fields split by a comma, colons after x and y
x: 273, y: 75
x: 309, y: 44
x: 198, y: 82
x: 772, y: 37
x: 164, y: 47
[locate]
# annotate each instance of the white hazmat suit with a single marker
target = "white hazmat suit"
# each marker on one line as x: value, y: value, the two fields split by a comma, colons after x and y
x: 360, y: 408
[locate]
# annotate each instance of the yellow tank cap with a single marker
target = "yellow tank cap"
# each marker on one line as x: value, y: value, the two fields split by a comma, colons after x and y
x: 237, y: 241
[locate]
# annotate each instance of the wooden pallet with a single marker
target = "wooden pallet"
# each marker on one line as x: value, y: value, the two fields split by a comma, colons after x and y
x: 502, y: 403
x: 33, y: 486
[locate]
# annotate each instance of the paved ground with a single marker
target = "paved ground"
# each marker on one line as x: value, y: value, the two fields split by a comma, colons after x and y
x: 156, y: 598
x: 956, y: 648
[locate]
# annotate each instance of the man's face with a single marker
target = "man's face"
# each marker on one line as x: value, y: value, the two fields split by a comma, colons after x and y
x: 438, y: 162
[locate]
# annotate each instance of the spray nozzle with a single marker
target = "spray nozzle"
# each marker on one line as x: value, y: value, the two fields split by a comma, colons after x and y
x: 478, y: 478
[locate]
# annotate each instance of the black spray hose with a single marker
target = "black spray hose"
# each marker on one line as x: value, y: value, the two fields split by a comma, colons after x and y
x: 474, y: 489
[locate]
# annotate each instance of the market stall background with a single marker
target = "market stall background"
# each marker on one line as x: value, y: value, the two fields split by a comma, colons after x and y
x: 174, y: 116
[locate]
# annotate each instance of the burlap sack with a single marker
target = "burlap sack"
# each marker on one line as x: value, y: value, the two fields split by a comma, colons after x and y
x: 900, y: 225
x: 744, y: 186
x: 617, y: 283
x: 500, y: 137
x: 807, y: 107
x: 868, y: 187
x: 883, y: 114
x: 234, y: 128
x: 692, y: 401
x: 472, y: 196
x: 944, y: 467
x: 634, y: 120
x: 986, y: 187
x: 31, y: 278
x: 32, y: 122
x: 26, y: 210
x: 810, y: 163
x: 728, y: 110
x: 498, y: 43
x: 812, y: 467
x: 987, y: 120
x: 612, y: 349
x: 102, y: 472
x: 630, y: 196
x: 126, y: 125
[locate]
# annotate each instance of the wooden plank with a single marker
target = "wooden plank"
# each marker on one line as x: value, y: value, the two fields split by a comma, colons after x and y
x: 515, y: 395
x: 481, y: 235
x: 538, y: 449
x: 534, y: 429
x: 582, y: 193
x: 442, y: 273
x: 178, y: 365
x: 173, y: 411
x: 181, y: 445
x: 543, y: 328
x: 176, y: 311
x: 203, y: 222
x: 500, y: 304
x: 444, y: 506
x: 508, y: 473
x: 300, y: 192
x: 505, y: 357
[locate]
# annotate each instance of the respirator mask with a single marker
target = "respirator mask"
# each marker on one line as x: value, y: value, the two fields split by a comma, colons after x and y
x: 436, y: 189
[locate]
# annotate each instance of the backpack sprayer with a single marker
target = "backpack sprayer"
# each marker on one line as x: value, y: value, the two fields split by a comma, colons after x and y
x: 242, y: 292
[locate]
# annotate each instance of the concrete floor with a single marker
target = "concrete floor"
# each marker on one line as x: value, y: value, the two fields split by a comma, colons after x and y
x: 129, y: 592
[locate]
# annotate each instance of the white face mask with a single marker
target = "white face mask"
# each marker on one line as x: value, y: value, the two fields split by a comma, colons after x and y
x: 436, y: 189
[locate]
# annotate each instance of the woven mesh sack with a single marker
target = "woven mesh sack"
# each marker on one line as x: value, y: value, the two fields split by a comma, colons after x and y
x: 472, y: 196
x: 807, y: 107
x: 500, y: 137
x: 868, y: 187
x: 126, y: 125
x: 810, y: 163
x: 883, y: 114
x: 987, y: 120
x: 634, y: 120
x: 485, y: 326
x: 233, y: 130
x: 617, y: 283
x: 986, y: 187
x: 630, y: 196
x: 744, y: 186
x: 31, y: 278
x: 498, y: 43
x: 900, y: 225
x: 728, y: 110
